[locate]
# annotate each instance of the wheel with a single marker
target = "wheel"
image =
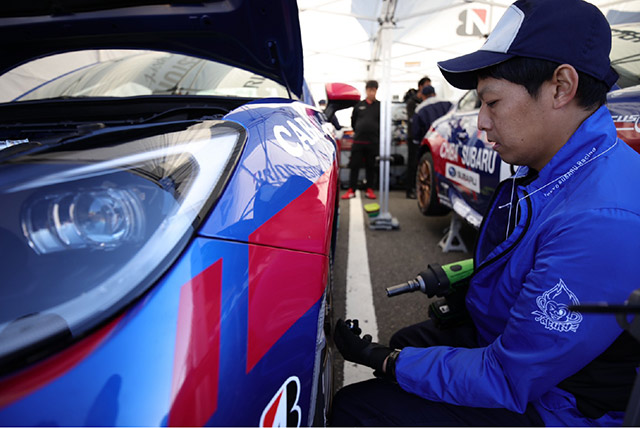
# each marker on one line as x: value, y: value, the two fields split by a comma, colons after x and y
x: 425, y: 188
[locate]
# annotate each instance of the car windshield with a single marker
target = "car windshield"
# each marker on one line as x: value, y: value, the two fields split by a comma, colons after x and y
x: 625, y: 53
x: 127, y: 73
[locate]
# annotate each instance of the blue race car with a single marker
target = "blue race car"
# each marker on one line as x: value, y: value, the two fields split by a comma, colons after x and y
x: 458, y: 169
x: 168, y: 193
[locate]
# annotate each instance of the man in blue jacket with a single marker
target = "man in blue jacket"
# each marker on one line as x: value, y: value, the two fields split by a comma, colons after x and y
x: 564, y: 230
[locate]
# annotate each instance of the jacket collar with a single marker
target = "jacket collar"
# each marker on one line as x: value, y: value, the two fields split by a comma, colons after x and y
x: 430, y: 100
x: 594, y: 137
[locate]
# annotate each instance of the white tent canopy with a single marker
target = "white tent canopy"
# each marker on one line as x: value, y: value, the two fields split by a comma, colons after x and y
x: 397, y: 42
x: 341, y: 38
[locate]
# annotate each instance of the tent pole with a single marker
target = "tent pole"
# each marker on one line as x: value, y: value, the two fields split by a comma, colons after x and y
x: 384, y: 220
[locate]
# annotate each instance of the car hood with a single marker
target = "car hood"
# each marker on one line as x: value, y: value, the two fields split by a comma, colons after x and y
x: 262, y: 36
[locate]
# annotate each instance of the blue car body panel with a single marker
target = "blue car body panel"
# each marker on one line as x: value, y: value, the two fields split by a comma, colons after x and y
x: 127, y: 379
x: 124, y: 381
x: 624, y: 105
x: 232, y: 334
x: 273, y: 174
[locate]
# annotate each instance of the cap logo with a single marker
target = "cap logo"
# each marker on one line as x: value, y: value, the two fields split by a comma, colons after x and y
x: 504, y: 34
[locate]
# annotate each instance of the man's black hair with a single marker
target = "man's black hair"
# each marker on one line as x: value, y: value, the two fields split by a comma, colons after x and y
x: 372, y: 84
x: 532, y: 73
x: 424, y: 80
x: 411, y: 93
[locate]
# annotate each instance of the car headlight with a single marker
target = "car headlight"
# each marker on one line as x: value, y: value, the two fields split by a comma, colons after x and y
x: 98, y: 218
x: 88, y: 227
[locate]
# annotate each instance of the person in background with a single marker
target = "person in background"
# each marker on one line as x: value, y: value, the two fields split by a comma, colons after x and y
x: 563, y: 231
x: 427, y: 112
x: 365, y: 121
x: 412, y: 100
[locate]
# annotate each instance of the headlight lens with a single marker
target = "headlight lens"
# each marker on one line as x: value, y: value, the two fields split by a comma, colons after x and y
x: 86, y: 229
x: 100, y: 218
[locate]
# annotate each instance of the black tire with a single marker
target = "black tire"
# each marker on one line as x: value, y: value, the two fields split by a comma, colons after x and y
x: 426, y: 188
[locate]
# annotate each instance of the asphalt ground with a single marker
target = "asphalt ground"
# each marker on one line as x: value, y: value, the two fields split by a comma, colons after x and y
x: 395, y: 256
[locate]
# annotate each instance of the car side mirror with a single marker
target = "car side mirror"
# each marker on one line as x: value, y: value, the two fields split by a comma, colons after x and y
x: 340, y: 96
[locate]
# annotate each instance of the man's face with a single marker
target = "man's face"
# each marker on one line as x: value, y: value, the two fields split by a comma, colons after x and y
x: 514, y: 122
x: 371, y: 93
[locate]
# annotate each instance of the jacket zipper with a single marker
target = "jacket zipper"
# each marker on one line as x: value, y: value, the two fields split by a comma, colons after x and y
x: 512, y: 246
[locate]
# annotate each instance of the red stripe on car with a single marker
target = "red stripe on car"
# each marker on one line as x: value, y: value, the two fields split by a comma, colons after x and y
x: 305, y: 223
x: 194, y: 390
x: 24, y: 383
x: 283, y: 286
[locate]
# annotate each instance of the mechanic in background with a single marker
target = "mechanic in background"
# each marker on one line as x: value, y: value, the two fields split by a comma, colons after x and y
x: 427, y: 112
x: 365, y: 121
x: 412, y: 100
x: 564, y: 230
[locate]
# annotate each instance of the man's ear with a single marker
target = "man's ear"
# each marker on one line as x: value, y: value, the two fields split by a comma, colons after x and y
x: 565, y: 83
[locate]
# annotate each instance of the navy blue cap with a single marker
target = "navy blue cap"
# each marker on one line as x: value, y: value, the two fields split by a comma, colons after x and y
x: 570, y: 32
x: 427, y: 90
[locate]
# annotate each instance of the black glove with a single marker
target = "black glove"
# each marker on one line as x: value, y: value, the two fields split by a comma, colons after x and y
x: 362, y: 350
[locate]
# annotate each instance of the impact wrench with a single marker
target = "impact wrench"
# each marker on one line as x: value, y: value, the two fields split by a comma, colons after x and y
x: 449, y: 282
